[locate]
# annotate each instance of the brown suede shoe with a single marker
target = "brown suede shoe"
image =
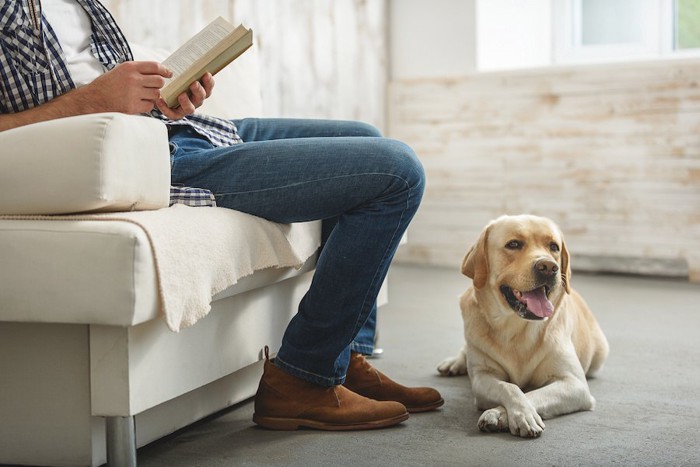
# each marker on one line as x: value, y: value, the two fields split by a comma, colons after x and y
x: 367, y: 381
x: 285, y: 402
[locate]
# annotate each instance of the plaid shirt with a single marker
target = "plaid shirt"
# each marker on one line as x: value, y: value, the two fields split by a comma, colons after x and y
x: 191, y: 196
x: 33, y: 70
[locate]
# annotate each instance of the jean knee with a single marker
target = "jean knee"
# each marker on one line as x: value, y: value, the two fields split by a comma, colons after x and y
x: 365, y: 129
x: 418, y: 179
x: 410, y: 165
x: 404, y: 164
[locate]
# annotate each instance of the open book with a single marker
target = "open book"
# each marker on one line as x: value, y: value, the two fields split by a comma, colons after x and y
x: 209, y: 50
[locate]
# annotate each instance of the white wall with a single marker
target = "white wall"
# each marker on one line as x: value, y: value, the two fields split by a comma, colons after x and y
x: 609, y: 152
x: 513, y: 34
x: 444, y: 38
x: 431, y: 39
x: 318, y: 58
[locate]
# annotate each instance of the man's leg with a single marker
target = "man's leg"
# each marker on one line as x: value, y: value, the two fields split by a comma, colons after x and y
x: 255, y: 129
x: 369, y: 187
x: 366, y: 189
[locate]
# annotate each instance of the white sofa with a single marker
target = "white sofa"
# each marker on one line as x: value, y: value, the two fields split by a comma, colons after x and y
x: 89, y: 367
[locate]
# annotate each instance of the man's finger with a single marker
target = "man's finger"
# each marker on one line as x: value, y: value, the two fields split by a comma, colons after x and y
x: 186, y: 104
x: 172, y: 114
x: 198, y: 94
x: 151, y: 94
x: 208, y: 84
x: 153, y: 68
x: 152, y: 81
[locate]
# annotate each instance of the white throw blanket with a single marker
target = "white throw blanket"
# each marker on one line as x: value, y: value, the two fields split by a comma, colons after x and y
x: 199, y: 252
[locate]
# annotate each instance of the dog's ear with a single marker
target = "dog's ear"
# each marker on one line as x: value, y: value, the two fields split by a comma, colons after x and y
x: 476, y: 262
x: 565, y: 267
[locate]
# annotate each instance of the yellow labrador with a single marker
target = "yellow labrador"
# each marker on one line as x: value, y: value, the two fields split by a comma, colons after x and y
x: 531, y: 340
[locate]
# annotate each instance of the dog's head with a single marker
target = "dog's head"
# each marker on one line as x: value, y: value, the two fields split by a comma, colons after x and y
x: 523, y: 262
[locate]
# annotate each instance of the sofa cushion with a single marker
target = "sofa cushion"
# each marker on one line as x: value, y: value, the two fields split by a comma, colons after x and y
x: 98, y: 162
x: 127, y: 268
x: 76, y: 272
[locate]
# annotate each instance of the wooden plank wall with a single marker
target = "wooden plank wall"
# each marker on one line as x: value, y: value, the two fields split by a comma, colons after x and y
x: 319, y: 59
x: 610, y: 152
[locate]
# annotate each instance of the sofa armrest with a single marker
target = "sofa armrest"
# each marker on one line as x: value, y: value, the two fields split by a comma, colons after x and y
x: 88, y: 163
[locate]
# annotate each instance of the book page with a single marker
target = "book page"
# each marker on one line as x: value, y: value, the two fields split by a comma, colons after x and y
x: 195, y: 48
x: 209, y: 50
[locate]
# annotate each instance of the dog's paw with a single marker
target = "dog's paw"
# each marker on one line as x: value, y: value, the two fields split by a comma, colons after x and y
x: 453, y: 366
x: 494, y: 420
x: 525, y: 422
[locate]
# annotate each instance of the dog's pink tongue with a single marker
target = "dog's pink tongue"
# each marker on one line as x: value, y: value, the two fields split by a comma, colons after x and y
x: 538, y: 303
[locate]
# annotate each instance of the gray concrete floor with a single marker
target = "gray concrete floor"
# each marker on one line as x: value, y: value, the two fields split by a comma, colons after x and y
x: 648, y: 402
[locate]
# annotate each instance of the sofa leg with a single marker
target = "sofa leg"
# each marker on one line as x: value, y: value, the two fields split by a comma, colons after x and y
x: 121, y: 442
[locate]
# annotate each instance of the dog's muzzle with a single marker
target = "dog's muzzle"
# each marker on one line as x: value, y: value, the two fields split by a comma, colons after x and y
x: 533, y: 304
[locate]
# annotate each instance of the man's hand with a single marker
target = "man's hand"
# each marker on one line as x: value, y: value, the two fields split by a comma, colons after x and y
x: 188, y: 101
x: 130, y: 87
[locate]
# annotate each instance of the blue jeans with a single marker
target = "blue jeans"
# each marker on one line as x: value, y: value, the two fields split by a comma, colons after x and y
x: 364, y: 188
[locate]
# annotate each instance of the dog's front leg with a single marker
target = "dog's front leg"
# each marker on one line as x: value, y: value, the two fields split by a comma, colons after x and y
x: 513, y: 411
x: 456, y: 365
x: 564, y: 395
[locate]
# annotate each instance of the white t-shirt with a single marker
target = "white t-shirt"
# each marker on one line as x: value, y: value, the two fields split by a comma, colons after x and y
x: 73, y: 29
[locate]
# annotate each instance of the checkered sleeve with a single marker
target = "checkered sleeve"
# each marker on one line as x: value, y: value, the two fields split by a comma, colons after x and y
x: 195, y: 197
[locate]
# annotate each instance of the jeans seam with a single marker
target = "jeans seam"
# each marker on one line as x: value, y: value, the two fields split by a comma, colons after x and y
x: 313, y: 181
x: 358, y: 323
x: 373, y: 283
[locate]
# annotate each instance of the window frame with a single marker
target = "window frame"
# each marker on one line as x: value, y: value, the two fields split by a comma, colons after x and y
x: 660, y: 43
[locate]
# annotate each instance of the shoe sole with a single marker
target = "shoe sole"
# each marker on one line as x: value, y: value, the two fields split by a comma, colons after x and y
x: 289, y: 424
x: 426, y: 408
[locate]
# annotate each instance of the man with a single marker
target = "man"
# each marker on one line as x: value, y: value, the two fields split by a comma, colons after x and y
x: 61, y: 58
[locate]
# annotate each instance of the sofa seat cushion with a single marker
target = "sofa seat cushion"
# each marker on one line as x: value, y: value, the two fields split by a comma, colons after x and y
x: 98, y: 162
x: 127, y: 268
x: 76, y: 272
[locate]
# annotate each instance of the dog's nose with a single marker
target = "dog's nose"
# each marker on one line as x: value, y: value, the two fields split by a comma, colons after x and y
x: 546, y: 267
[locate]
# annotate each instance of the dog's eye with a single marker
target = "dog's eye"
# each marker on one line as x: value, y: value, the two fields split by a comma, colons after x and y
x: 514, y: 245
x: 554, y: 247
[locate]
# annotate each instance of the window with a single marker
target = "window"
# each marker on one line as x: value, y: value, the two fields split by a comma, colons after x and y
x: 686, y: 24
x: 601, y: 22
x: 605, y: 30
x: 512, y: 34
